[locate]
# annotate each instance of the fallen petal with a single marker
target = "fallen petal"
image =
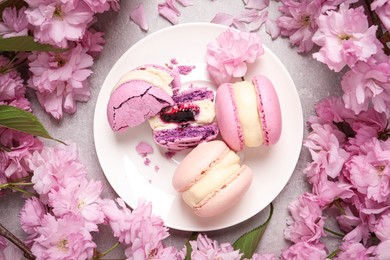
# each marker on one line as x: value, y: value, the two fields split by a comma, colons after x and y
x: 139, y: 18
x: 272, y: 29
x: 223, y: 18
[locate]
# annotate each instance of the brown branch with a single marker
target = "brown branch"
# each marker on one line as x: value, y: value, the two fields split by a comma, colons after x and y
x: 16, y: 241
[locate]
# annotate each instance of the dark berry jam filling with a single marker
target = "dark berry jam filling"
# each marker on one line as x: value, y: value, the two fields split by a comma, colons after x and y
x: 180, y: 113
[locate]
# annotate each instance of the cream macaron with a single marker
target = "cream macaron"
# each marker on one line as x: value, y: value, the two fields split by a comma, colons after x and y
x: 248, y: 113
x: 211, y: 179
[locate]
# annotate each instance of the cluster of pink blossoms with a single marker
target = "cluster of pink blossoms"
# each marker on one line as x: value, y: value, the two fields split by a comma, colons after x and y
x: 60, y: 79
x: 350, y: 178
x: 60, y: 222
x: 345, y: 39
x: 16, y: 148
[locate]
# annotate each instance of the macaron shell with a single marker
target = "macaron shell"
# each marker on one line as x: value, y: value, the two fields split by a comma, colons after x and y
x: 176, y: 82
x: 227, y: 117
x: 133, y: 102
x: 228, y: 196
x: 269, y: 109
x: 196, y: 162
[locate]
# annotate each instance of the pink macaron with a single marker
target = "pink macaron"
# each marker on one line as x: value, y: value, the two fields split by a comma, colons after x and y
x: 139, y: 95
x: 248, y: 114
x: 211, y: 179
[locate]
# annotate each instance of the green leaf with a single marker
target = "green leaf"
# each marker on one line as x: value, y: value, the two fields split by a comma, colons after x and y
x: 23, y: 121
x: 248, y: 242
x: 25, y: 43
x: 194, y: 236
x: 11, y: 3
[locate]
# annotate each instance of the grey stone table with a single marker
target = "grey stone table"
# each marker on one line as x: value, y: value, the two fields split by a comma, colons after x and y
x: 312, y: 79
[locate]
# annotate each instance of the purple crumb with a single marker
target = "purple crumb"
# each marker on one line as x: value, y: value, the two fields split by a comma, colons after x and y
x: 170, y: 154
x: 184, y: 70
x: 156, y: 168
x: 174, y: 61
x: 143, y: 149
x: 147, y: 161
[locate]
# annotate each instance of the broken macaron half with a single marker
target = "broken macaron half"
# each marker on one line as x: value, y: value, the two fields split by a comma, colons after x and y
x: 140, y: 94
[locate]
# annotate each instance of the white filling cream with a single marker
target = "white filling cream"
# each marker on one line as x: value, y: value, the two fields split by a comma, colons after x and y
x: 206, y: 116
x: 152, y: 75
x: 246, y: 101
x: 214, y: 178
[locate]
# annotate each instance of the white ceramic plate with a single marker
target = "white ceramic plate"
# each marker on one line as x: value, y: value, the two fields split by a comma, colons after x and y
x: 132, y: 179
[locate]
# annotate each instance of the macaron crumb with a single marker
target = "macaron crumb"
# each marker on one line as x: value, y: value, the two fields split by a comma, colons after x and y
x: 174, y: 61
x: 185, y: 69
x: 143, y: 148
x: 156, y: 168
x: 147, y: 161
x: 170, y: 154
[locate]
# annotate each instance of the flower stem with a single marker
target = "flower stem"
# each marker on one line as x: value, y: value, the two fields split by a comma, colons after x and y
x: 333, y: 232
x: 100, y: 255
x: 333, y: 254
x: 110, y: 249
x: 16, y: 241
x: 4, y: 148
x: 23, y: 191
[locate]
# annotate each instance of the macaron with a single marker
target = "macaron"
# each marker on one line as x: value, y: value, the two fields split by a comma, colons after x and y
x: 140, y: 94
x: 190, y: 121
x: 248, y: 113
x: 211, y: 179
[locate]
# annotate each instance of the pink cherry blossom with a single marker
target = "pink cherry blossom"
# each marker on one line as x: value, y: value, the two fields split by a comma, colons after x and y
x: 31, y: 217
x: 382, y: 252
x: 81, y: 199
x: 344, y: 38
x: 60, y: 79
x: 206, y: 248
x: 139, y: 230
x: 332, y: 110
x: 228, y: 55
x: 304, y: 250
x: 367, y: 83
x: 14, y: 23
x: 11, y: 84
x: 14, y: 163
x: 306, y: 221
x: 329, y: 191
x: 325, y: 150
x: 370, y: 171
x: 31, y: 214
x: 348, y: 220
x: 9, y: 250
x: 100, y: 6
x: 382, y: 9
x: 370, y: 124
x: 382, y: 228
x: 56, y: 167
x: 298, y: 22
x: 93, y: 42
x: 138, y: 16
x: 354, y: 251
x: 63, y: 238
x: 58, y: 22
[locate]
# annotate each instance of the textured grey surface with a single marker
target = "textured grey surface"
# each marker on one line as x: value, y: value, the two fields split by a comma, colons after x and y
x: 312, y: 79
